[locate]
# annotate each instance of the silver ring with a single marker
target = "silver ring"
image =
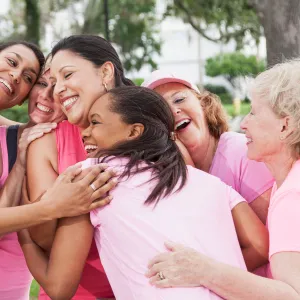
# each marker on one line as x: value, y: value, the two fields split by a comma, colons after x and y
x: 93, y: 187
x: 161, y: 275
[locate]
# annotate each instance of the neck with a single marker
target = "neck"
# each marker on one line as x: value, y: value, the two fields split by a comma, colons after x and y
x: 202, y: 155
x: 280, y: 165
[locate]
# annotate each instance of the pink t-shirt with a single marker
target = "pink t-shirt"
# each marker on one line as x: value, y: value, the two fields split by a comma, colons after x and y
x: 128, y: 233
x: 15, y: 278
x: 248, y: 177
x: 283, y: 217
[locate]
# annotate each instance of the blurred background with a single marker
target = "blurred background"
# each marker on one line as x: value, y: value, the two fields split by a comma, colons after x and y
x: 217, y: 44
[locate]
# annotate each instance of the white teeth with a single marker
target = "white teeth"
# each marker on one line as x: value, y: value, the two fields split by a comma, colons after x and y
x: 249, y: 140
x: 90, y: 147
x: 6, y: 84
x: 182, y: 122
x: 69, y: 101
x: 43, y: 108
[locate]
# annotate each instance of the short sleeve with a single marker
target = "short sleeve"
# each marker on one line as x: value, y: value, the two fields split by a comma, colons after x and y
x: 255, y: 179
x: 284, y: 223
x: 234, y: 197
x: 95, y: 220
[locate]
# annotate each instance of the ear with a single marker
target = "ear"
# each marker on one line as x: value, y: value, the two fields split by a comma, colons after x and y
x: 135, y: 131
x: 286, y: 127
x: 107, y: 73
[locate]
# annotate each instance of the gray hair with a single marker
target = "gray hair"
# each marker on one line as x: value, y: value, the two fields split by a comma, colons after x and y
x: 280, y: 87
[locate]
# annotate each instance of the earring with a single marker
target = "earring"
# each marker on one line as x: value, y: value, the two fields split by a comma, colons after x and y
x: 105, y: 86
x: 281, y: 137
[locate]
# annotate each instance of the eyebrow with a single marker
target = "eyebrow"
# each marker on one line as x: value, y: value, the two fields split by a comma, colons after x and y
x: 21, y: 59
x: 175, y: 93
x: 64, y: 67
x: 94, y: 115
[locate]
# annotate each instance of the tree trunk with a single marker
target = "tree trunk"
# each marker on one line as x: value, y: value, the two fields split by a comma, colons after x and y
x: 281, y: 22
x: 32, y: 21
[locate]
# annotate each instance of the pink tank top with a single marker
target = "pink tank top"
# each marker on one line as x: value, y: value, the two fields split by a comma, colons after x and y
x: 94, y: 283
x: 15, y: 278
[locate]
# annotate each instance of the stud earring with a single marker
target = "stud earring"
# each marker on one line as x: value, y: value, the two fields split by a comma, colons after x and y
x: 105, y: 86
x: 281, y: 138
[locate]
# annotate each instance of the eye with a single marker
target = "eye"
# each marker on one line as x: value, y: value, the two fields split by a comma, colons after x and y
x: 68, y: 75
x: 42, y: 83
x: 12, y: 62
x: 179, y: 100
x: 28, y: 79
x: 94, y: 122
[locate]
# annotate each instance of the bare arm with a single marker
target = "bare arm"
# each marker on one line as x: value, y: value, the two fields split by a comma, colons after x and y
x: 42, y: 158
x: 7, y: 122
x: 261, y: 205
x: 60, y: 274
x: 252, y: 234
x: 10, y: 193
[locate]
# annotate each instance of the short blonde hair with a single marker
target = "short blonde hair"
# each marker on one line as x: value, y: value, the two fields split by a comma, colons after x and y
x: 280, y: 87
x: 214, y: 112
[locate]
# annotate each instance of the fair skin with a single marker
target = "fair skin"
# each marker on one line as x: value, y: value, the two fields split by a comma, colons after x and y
x: 230, y: 282
x: 106, y: 130
x: 195, y: 136
x: 71, y: 75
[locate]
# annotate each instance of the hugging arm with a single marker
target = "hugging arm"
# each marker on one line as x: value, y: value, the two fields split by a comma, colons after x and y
x: 60, y: 273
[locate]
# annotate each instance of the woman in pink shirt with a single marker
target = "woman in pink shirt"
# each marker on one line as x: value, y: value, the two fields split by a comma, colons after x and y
x: 273, y: 137
x: 156, y: 199
x: 201, y: 125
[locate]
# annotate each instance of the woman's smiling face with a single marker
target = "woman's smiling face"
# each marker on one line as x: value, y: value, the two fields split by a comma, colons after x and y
x: 19, y: 69
x: 77, y: 85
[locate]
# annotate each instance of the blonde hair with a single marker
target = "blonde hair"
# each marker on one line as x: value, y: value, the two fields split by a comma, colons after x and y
x: 280, y: 87
x: 215, y: 115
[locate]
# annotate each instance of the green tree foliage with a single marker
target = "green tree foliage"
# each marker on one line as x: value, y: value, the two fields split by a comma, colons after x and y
x: 17, y: 113
x: 132, y: 24
x: 231, y: 19
x: 233, y: 66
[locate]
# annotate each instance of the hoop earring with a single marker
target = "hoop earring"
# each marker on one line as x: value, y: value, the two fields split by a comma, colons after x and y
x: 105, y: 86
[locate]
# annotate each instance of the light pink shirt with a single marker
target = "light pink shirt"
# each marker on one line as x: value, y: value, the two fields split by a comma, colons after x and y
x: 284, y: 216
x: 248, y: 177
x: 128, y: 233
x: 15, y: 278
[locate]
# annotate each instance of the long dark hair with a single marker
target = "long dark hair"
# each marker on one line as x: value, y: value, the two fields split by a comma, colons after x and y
x: 34, y: 48
x: 154, y: 146
x: 95, y: 49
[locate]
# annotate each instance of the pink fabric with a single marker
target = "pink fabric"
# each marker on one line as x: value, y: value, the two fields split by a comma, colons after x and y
x: 94, y: 283
x: 15, y: 278
x: 248, y: 177
x: 128, y: 233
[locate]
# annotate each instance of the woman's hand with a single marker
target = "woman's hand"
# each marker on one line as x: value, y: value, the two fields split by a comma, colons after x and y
x: 181, y: 267
x: 29, y: 135
x: 74, y: 193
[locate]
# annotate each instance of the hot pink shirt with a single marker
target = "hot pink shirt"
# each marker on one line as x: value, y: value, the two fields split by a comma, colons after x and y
x: 128, y: 233
x: 94, y: 283
x: 248, y: 177
x: 15, y: 278
x: 283, y: 217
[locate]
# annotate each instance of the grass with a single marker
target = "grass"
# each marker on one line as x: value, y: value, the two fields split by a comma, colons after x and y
x: 245, y: 108
x: 34, y: 290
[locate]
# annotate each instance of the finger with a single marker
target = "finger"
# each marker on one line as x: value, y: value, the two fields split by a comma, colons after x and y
x: 158, y: 258
x: 25, y: 196
x: 91, y: 175
x: 160, y: 283
x: 156, y: 268
x: 171, y: 246
x: 100, y: 203
x: 43, y: 125
x: 102, y: 191
x: 70, y: 173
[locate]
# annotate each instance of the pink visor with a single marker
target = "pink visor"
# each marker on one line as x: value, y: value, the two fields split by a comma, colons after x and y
x: 159, y: 77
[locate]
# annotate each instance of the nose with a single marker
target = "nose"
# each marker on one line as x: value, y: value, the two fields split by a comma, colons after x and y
x: 244, y: 122
x: 15, y: 75
x: 175, y: 110
x: 86, y: 133
x: 47, y: 94
x: 59, y: 89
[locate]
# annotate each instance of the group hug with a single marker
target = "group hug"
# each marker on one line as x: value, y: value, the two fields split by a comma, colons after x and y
x: 115, y: 191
